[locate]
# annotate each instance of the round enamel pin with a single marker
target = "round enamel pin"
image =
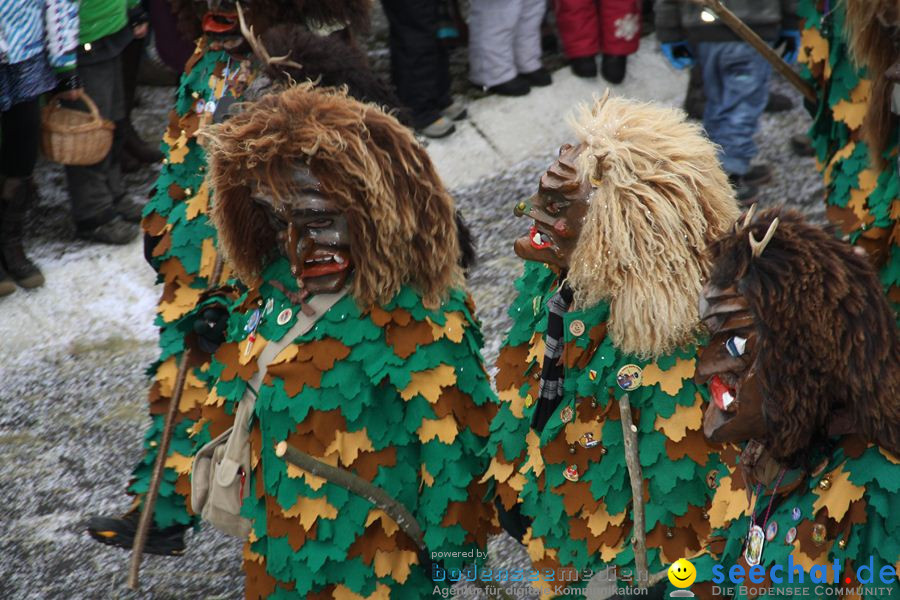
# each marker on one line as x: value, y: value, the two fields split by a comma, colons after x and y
x: 576, y: 327
x: 791, y: 535
x: 284, y: 316
x: 571, y: 473
x: 566, y: 414
x: 253, y: 323
x: 795, y: 513
x: 771, y: 531
x: 818, y: 534
x: 629, y: 377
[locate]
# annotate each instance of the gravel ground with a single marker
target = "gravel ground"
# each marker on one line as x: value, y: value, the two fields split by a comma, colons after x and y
x: 71, y: 422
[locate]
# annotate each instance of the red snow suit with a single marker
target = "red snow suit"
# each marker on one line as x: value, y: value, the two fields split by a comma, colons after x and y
x: 589, y: 27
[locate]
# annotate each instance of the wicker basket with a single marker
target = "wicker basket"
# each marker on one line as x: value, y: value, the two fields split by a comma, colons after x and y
x: 75, y: 137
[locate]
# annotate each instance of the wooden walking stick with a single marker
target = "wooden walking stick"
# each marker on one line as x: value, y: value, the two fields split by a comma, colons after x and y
x: 752, y: 38
x: 140, y: 537
x: 636, y: 475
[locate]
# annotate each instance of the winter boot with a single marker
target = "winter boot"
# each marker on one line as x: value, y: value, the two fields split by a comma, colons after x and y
x: 120, y: 531
x: 16, y: 199
x: 7, y: 285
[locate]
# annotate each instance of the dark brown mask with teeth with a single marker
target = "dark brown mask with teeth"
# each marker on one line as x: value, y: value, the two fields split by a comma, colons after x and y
x: 311, y: 232
x: 802, y: 343
x: 558, y: 210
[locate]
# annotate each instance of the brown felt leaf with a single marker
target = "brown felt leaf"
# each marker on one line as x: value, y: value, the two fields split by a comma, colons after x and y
x: 815, y: 48
x: 511, y: 367
x: 342, y: 592
x: 166, y: 374
x: 372, y: 540
x: 154, y: 224
x: 444, y: 430
x: 199, y: 203
x: 727, y: 504
x: 229, y: 355
x: 366, y: 465
x: 670, y: 381
x: 578, y: 496
x: 476, y: 418
x: 535, y: 460
x: 388, y: 525
x: 694, y: 445
x: 208, y: 254
x: 535, y: 546
x: 498, y: 470
x: 600, y: 519
x: 405, y: 339
x: 295, y: 375
x: 429, y: 382
x: 851, y: 113
x: 682, y: 543
x: 842, y: 154
x: 179, y: 462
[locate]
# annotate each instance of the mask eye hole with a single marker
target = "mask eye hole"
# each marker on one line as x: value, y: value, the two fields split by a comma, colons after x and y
x: 736, y: 346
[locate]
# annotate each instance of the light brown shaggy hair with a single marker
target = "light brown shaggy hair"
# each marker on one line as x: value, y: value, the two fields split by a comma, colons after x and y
x: 400, y: 217
x: 827, y: 344
x: 872, y: 46
x: 659, y: 199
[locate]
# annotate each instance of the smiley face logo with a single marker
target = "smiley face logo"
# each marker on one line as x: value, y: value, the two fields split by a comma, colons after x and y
x: 682, y: 573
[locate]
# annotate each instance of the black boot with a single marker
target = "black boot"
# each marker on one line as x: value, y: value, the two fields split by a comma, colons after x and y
x: 138, y: 148
x: 120, y: 532
x: 7, y: 285
x: 612, y: 67
x: 17, y: 199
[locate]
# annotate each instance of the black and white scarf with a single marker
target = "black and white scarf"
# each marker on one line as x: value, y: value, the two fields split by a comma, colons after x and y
x: 550, y: 392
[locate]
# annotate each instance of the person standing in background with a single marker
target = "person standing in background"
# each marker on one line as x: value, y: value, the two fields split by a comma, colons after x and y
x: 505, y: 46
x: 101, y: 211
x: 591, y: 27
x: 420, y: 66
x: 37, y: 54
x: 735, y: 75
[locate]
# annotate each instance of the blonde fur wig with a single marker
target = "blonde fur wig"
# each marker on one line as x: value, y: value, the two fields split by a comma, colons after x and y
x: 659, y: 199
x: 400, y: 217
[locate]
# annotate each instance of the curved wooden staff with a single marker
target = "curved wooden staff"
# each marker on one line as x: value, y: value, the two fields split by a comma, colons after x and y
x: 140, y: 537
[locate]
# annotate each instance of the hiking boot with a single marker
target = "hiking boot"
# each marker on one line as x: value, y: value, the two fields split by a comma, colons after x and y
x: 14, y: 204
x: 441, y: 127
x: 695, y: 99
x: 612, y: 67
x: 120, y: 532
x: 517, y: 86
x: 745, y: 193
x: 539, y: 78
x: 778, y: 103
x: 758, y: 175
x: 116, y: 231
x: 584, y: 66
x: 456, y: 111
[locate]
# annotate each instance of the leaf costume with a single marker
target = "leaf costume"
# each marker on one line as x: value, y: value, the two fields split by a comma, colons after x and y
x: 862, y: 199
x: 185, y: 258
x: 847, y: 512
x: 395, y: 393
x: 587, y: 524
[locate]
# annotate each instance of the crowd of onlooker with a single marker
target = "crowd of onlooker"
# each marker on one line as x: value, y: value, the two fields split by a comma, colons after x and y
x: 72, y: 47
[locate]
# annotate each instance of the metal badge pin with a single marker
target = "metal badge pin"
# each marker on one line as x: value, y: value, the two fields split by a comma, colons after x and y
x: 755, y: 541
x: 566, y: 414
x: 588, y: 441
x: 796, y: 514
x: 630, y: 377
x: 284, y: 316
x: 576, y: 327
x: 571, y: 473
x: 790, y: 536
x: 771, y: 531
x: 818, y: 534
x: 592, y: 375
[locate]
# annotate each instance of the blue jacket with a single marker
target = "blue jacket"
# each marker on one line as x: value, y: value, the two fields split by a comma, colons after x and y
x: 29, y: 27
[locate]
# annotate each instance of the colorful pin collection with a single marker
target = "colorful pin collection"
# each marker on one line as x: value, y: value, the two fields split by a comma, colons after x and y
x: 256, y: 318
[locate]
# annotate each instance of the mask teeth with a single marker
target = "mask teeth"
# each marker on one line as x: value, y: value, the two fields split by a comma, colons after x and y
x: 727, y: 399
x: 736, y: 346
x: 338, y: 259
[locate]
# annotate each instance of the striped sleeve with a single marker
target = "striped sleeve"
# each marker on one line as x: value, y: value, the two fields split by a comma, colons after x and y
x: 61, y: 26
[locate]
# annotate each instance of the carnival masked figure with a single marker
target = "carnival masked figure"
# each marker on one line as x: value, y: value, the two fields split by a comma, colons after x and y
x: 243, y: 52
x: 850, y: 49
x: 330, y: 211
x: 803, y: 366
x: 615, y: 260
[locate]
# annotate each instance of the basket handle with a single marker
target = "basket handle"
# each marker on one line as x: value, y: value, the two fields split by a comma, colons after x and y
x: 55, y: 105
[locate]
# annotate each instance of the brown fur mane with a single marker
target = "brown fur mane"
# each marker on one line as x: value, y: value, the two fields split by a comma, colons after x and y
x: 872, y: 46
x: 828, y: 344
x: 401, y: 219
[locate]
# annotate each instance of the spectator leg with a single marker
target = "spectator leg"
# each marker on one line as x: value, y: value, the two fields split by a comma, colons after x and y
x: 621, y: 26
x: 492, y: 30
x: 420, y: 65
x: 528, y: 35
x: 578, y: 22
x: 736, y: 82
x: 94, y: 189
